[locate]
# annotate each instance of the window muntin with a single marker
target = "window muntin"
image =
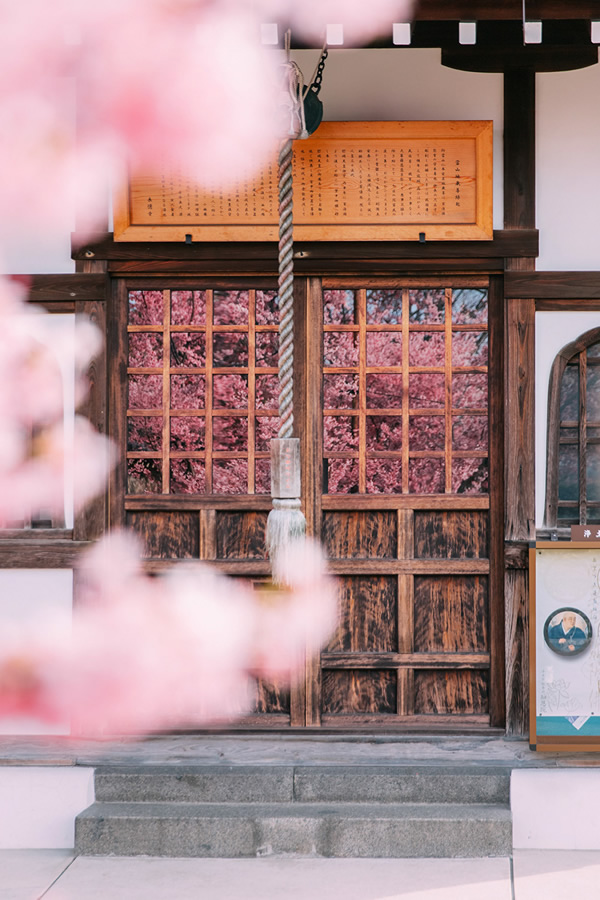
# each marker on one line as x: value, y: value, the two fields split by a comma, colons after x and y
x: 405, y: 388
x: 574, y: 472
x: 203, y: 391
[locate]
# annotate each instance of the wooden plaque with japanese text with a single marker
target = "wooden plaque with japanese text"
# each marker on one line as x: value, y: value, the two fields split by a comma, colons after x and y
x: 352, y: 181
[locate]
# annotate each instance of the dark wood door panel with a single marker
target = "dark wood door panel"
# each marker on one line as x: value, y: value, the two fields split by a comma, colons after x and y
x: 451, y: 613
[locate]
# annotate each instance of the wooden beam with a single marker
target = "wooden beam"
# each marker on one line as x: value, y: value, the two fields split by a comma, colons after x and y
x: 519, y: 150
x: 469, y: 10
x: 521, y: 243
x: 40, y: 554
x: 552, y: 285
x: 64, y: 288
x: 531, y: 57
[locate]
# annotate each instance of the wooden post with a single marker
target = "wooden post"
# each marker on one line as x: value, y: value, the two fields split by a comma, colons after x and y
x: 519, y: 213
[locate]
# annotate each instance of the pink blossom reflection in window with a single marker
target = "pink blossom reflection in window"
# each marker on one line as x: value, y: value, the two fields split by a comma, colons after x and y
x: 262, y: 476
x: 384, y: 432
x: 340, y: 433
x: 426, y: 433
x: 469, y: 390
x: 426, y: 476
x: 342, y: 476
x: 384, y: 391
x: 426, y: 391
x: 267, y: 308
x: 469, y: 348
x: 266, y: 428
x: 384, y: 476
x: 230, y: 433
x: 144, y: 476
x: 187, y: 433
x: 267, y: 392
x: 469, y: 306
x: 384, y: 307
x: 340, y: 348
x: 230, y: 349
x: 427, y: 306
x: 470, y: 476
x: 144, y: 433
x: 338, y: 307
x: 230, y: 391
x: 230, y: 307
x: 230, y: 476
x: 470, y: 433
x: 340, y: 391
x: 267, y: 349
x: 188, y: 476
x: 145, y: 391
x: 188, y: 391
x: 188, y: 307
x: 426, y: 348
x: 384, y: 348
x: 188, y: 350
x: 146, y: 308
x: 145, y: 349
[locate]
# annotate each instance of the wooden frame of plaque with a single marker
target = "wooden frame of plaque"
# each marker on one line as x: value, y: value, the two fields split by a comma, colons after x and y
x: 352, y: 181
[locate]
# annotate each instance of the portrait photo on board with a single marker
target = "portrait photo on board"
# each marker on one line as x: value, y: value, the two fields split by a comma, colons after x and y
x: 567, y: 631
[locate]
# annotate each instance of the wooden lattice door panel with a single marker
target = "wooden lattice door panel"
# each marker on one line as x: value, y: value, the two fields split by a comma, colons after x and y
x: 202, y: 390
x: 405, y: 513
x: 405, y: 390
x: 194, y: 403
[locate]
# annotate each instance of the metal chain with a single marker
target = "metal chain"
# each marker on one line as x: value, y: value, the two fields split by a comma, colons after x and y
x: 315, y: 87
x: 286, y: 293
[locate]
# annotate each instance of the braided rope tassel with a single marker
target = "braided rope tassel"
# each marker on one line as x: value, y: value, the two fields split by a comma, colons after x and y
x: 286, y: 523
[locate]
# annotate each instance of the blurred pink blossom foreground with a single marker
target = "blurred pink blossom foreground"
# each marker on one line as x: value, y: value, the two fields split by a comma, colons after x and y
x: 148, y: 84
x: 150, y: 653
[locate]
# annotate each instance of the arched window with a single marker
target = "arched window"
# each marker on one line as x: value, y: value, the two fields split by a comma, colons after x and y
x: 573, y: 461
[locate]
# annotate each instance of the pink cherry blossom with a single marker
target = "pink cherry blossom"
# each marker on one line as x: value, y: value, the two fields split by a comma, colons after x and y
x: 151, y: 653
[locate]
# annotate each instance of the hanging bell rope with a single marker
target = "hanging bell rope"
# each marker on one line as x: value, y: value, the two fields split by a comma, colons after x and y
x: 286, y: 523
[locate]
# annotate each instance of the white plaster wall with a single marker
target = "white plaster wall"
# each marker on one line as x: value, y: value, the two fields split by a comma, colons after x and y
x: 29, y: 596
x: 553, y: 330
x: 39, y: 805
x: 556, y: 809
x: 568, y: 169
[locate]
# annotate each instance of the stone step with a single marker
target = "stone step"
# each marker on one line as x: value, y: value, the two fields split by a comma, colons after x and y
x: 306, y: 784
x: 322, y: 829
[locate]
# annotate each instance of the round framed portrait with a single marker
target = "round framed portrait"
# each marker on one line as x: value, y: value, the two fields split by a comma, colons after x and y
x: 567, y: 631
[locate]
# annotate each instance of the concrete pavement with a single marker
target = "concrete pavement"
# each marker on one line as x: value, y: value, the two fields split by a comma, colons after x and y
x: 529, y: 875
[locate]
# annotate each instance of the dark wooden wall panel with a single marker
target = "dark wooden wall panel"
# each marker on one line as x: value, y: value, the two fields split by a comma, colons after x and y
x: 368, y: 616
x: 448, y: 535
x: 451, y: 614
x: 356, y: 691
x: 271, y: 697
x: 167, y: 535
x: 241, y: 535
x: 360, y: 535
x: 517, y: 650
x: 460, y: 691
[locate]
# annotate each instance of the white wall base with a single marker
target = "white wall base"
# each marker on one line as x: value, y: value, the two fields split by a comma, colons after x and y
x: 556, y: 809
x: 552, y: 809
x: 39, y: 805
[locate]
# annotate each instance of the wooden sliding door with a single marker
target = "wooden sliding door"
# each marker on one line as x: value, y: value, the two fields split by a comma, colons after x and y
x: 396, y: 406
x: 403, y: 401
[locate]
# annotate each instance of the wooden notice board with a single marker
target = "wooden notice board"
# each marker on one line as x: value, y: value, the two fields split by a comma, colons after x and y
x: 352, y: 181
x: 564, y: 644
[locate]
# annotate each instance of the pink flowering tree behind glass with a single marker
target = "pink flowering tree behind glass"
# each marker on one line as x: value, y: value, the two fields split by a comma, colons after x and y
x: 175, y: 83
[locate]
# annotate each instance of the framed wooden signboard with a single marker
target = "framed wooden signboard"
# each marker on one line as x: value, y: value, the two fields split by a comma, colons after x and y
x: 565, y: 644
x: 352, y: 181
